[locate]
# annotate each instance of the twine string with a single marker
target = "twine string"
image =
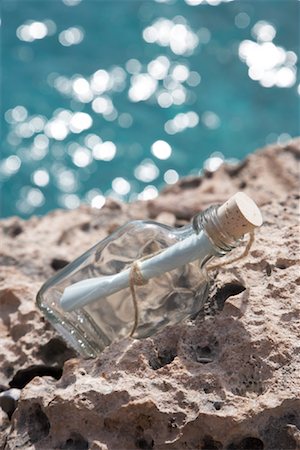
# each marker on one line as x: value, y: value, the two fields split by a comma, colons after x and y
x: 136, y: 277
x: 243, y: 255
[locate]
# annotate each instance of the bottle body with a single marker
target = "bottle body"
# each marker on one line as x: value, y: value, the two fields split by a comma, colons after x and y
x: 163, y: 300
x: 143, y: 277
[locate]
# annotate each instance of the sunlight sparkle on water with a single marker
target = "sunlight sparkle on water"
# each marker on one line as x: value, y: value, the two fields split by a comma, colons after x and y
x: 82, y: 157
x: 146, y: 171
x: 121, y: 186
x: 171, y: 176
x: 13, y: 139
x: 181, y: 122
x: 105, y: 151
x: 194, y: 79
x: 148, y: 193
x: 98, y: 201
x: 164, y: 99
x: 35, y: 197
x: 268, y: 64
x: 61, y: 84
x: 66, y: 180
x: 263, y: 31
x: 37, y: 123
x: 32, y: 30
x: 133, y: 66
x: 10, y: 165
x: 82, y: 90
x: 80, y: 121
x: 180, y: 72
x: 41, y: 177
x: 17, y: 114
x: 69, y: 201
x: 284, y: 138
x: 24, y: 130
x: 100, y: 81
x: 64, y: 146
x: 215, y: 160
x: 125, y: 120
x: 91, y: 140
x: 103, y: 105
x: 118, y: 78
x: 71, y: 2
x: 161, y: 149
x: 179, y: 95
x: 85, y: 89
x: 41, y: 141
x: 242, y: 20
x: 56, y: 129
x: 142, y: 87
x: 174, y: 34
x: 71, y: 36
x: 158, y: 68
x: 211, y: 120
x: 208, y: 2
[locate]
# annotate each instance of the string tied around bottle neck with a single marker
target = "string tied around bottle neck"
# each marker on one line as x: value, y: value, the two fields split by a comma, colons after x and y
x: 243, y: 255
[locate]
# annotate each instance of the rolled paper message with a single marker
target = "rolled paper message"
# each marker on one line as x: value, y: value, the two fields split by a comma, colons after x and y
x: 238, y: 216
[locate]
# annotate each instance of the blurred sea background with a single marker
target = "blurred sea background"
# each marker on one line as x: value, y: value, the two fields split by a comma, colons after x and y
x: 119, y: 98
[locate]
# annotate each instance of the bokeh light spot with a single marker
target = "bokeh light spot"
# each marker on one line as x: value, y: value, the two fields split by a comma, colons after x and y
x: 32, y: 30
x: 147, y: 171
x: 35, y: 197
x: 71, y: 2
x: 125, y: 120
x: 171, y: 176
x: 142, y: 87
x: 82, y: 157
x: 148, y: 193
x: 161, y: 149
x: 105, y: 151
x: 70, y: 201
x: 121, y: 186
x: 215, y: 160
x: 242, y: 20
x: 11, y: 165
x: 80, y: 121
x: 98, y: 201
x: 40, y: 177
x: 133, y: 66
x: 169, y: 33
x: 56, y: 129
x: 211, y: 120
x: 71, y: 36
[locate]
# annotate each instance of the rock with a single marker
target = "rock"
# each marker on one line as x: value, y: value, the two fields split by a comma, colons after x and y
x: 4, y: 428
x: 227, y: 379
x: 8, y: 400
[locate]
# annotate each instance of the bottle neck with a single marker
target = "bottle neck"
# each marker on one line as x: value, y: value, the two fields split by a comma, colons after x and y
x: 208, y: 222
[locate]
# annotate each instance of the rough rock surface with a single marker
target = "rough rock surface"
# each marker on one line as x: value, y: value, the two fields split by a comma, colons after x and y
x: 227, y: 379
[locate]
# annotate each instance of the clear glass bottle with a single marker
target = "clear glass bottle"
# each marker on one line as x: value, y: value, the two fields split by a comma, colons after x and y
x: 164, y: 300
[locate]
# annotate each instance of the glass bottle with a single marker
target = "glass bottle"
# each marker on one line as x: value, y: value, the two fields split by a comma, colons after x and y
x: 94, y: 301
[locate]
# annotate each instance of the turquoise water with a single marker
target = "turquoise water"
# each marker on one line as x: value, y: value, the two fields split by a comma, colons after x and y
x: 121, y: 97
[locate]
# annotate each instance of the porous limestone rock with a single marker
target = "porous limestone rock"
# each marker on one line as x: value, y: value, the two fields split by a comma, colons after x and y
x: 227, y: 379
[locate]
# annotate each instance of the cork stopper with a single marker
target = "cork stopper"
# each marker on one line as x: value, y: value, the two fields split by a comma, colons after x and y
x: 239, y: 215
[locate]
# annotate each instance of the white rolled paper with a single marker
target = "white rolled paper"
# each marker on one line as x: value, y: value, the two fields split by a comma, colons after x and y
x: 86, y: 291
x: 238, y: 216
